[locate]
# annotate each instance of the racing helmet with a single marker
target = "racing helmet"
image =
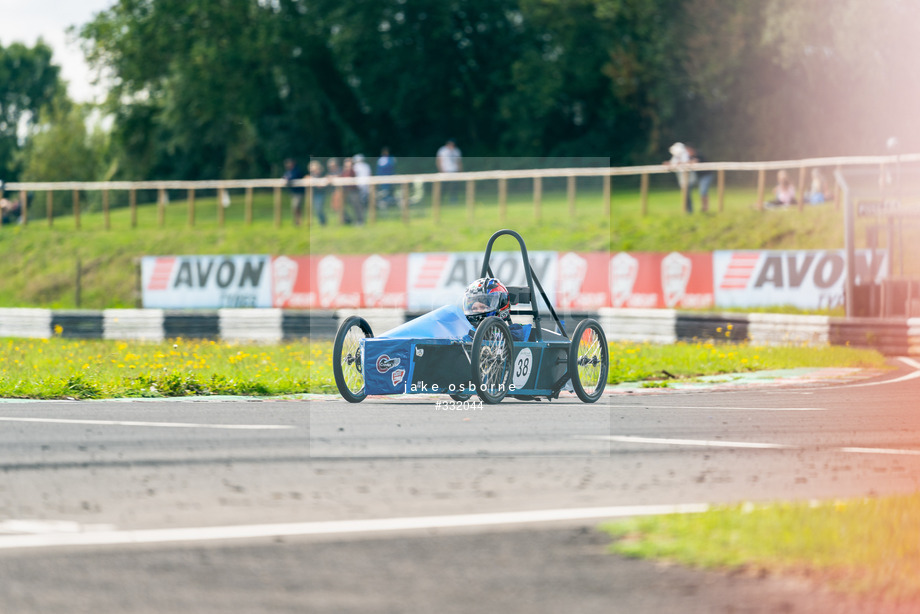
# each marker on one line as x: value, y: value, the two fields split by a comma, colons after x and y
x: 486, y: 297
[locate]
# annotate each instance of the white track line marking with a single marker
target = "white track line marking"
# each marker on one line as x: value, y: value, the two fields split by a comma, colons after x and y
x: 881, y: 451
x: 689, y: 442
x: 172, y: 425
x: 739, y: 444
x: 907, y: 361
x: 735, y: 408
x: 336, y: 527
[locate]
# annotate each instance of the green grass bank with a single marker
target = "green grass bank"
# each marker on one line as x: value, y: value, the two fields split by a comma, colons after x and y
x: 38, y: 263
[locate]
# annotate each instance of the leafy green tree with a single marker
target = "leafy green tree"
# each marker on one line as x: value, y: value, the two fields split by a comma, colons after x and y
x: 28, y: 80
x: 61, y: 148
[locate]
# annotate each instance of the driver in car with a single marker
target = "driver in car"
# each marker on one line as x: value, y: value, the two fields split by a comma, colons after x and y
x: 489, y: 297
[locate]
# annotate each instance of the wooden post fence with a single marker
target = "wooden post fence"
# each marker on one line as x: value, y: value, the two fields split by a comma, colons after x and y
x: 436, y: 202
x: 538, y: 198
x: 191, y: 208
x: 105, y: 209
x: 643, y: 193
x: 76, y: 208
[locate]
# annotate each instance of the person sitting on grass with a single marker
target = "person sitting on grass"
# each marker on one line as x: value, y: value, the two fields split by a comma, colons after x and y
x: 784, y: 192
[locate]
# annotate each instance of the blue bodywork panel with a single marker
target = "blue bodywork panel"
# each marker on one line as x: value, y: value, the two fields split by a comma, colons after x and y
x: 427, y: 355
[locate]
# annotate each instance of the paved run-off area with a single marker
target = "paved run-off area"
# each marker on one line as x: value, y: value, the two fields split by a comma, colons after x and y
x: 216, y: 470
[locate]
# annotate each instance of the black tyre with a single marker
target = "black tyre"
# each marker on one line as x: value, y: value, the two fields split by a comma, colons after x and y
x: 460, y: 398
x: 347, y: 361
x: 493, y: 349
x: 589, y: 360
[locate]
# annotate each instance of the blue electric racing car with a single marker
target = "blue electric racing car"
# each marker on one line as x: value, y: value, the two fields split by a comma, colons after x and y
x: 441, y: 352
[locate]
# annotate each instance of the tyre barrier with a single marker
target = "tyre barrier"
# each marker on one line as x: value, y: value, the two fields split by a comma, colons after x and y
x: 894, y: 337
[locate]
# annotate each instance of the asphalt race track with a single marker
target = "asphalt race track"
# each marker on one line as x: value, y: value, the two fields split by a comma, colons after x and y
x: 405, y: 505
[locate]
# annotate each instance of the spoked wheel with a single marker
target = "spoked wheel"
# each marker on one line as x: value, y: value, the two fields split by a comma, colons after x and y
x: 589, y: 360
x: 347, y: 359
x: 492, y: 352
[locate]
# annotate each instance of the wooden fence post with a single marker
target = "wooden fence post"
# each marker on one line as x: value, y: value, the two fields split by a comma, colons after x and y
x: 684, y: 190
x: 161, y: 207
x: 470, y: 199
x: 570, y: 190
x: 105, y: 209
x: 23, y: 207
x: 191, y: 208
x: 801, y: 193
x: 405, y: 203
x: 221, y: 195
x: 643, y: 193
x: 436, y: 202
x: 76, y: 208
x: 537, y: 198
x: 606, y: 197
x: 502, y: 199
x: 278, y: 208
x: 761, y: 186
x: 247, y: 206
x: 371, y: 204
x: 50, y: 207
x: 721, y: 189
x: 132, y: 202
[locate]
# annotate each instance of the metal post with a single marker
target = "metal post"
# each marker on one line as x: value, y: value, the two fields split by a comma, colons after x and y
x: 849, y: 236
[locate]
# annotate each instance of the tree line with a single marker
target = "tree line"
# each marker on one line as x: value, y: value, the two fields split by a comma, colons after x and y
x: 201, y: 89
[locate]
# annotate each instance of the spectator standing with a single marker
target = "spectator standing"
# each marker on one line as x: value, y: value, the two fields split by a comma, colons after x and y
x: 318, y: 191
x: 686, y: 179
x: 450, y: 160
x: 352, y: 197
x: 293, y: 172
x: 386, y: 167
x: 703, y: 179
x: 332, y: 192
x: 362, y: 172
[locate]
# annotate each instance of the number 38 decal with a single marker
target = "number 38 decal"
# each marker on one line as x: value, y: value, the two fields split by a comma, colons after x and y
x: 523, y: 365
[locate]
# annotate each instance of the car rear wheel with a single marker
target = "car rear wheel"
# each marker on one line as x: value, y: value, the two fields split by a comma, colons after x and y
x: 492, y: 352
x: 348, y: 359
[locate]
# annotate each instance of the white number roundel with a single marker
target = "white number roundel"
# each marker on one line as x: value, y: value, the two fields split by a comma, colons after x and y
x: 523, y: 365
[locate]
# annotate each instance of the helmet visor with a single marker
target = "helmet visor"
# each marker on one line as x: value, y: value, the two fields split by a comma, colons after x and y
x: 479, y: 303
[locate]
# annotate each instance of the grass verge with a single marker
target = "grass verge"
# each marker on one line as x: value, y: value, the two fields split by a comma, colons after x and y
x: 866, y: 547
x: 38, y: 263
x: 85, y: 369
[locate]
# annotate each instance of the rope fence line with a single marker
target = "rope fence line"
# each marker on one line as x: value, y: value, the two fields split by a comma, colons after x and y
x: 470, y: 178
